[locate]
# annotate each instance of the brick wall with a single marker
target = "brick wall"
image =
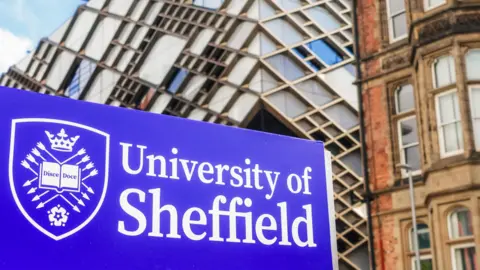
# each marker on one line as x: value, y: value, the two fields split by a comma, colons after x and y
x: 377, y: 135
x: 367, y: 26
x: 379, y: 166
x: 386, y: 255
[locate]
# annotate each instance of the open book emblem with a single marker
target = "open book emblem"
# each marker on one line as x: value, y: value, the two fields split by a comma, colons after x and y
x: 60, y: 177
x: 58, y: 173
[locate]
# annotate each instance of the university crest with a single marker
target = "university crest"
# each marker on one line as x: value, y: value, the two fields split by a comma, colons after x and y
x: 58, y: 173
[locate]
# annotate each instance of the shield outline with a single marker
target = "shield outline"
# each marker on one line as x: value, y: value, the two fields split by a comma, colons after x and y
x: 12, y: 184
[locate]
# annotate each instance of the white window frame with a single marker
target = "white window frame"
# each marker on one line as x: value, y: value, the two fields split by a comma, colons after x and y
x: 461, y: 246
x: 423, y: 257
x: 391, y: 31
x: 449, y: 221
x: 441, y: 140
x: 402, y: 147
x: 472, y: 105
x: 397, y: 107
x: 428, y: 8
x: 434, y: 74
x: 470, y: 52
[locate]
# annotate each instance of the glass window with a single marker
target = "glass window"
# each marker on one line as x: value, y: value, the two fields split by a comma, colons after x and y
x: 423, y: 237
x: 80, y: 79
x: 289, y: 4
x: 210, y: 4
x: 429, y: 4
x: 449, y: 126
x: 237, y: 74
x: 342, y: 115
x: 353, y: 161
x: 326, y: 52
x: 177, y: 80
x: 260, y: 10
x: 288, y: 103
x: 158, y: 63
x: 286, y: 66
x: 464, y: 257
x: 325, y: 18
x: 425, y: 263
x: 80, y: 30
x: 59, y: 69
x: 240, y: 35
x: 397, y: 19
x: 475, y: 108
x: 444, y: 71
x: 404, y: 98
x: 101, y: 38
x: 473, y: 61
x: 408, y: 141
x: 315, y: 91
x: 285, y: 31
x: 102, y: 86
x: 460, y: 222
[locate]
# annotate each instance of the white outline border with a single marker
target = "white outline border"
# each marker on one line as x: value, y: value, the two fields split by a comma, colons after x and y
x: 12, y: 185
x: 331, y: 209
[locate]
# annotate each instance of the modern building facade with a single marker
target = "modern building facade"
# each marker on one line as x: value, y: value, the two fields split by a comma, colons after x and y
x: 282, y: 66
x: 420, y: 97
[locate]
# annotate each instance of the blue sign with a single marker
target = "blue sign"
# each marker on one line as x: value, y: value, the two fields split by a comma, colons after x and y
x: 89, y: 186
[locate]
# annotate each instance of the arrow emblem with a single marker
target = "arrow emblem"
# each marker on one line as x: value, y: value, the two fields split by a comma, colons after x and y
x: 85, y: 196
x: 29, y: 182
x: 37, y: 197
x: 27, y: 166
x: 79, y: 201
x: 43, y: 148
x: 91, y: 174
x: 83, y: 160
x: 89, y: 189
x: 79, y: 153
x: 74, y: 207
x: 42, y: 204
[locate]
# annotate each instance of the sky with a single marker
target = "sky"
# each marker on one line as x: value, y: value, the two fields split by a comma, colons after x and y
x: 24, y: 22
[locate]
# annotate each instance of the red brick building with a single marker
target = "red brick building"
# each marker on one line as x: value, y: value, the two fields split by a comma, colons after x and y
x: 418, y: 80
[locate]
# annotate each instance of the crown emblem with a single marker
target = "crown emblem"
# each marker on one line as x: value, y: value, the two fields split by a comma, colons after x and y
x: 61, y: 142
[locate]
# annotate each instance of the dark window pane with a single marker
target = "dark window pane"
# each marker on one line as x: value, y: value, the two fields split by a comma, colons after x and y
x: 423, y: 237
x: 425, y: 264
x: 465, y: 259
x: 177, y: 81
x: 423, y: 240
